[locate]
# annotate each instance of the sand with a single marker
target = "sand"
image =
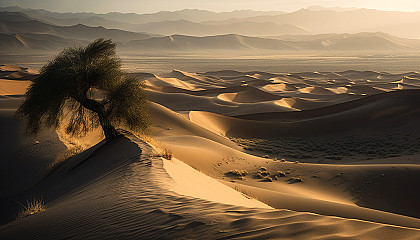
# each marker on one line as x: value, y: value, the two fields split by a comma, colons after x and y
x: 323, y: 155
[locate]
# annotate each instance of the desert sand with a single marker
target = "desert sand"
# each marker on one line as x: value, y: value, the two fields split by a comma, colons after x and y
x: 255, y: 155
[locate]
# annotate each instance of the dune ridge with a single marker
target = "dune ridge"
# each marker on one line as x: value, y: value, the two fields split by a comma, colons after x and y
x: 113, y: 200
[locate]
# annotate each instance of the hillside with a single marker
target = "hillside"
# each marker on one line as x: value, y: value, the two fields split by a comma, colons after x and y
x: 17, y: 23
x: 184, y: 27
x: 346, y: 42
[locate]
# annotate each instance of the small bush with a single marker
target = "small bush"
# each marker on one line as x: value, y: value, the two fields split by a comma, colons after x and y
x: 163, y: 152
x: 267, y: 179
x: 295, y: 180
x: 33, y: 206
x: 237, y: 173
x: 166, y: 153
x: 280, y: 174
x: 258, y: 175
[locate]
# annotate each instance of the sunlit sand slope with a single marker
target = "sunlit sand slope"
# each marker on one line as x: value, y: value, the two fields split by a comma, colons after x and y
x: 120, y: 191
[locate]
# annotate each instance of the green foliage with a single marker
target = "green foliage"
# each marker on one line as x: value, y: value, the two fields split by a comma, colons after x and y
x: 87, y: 85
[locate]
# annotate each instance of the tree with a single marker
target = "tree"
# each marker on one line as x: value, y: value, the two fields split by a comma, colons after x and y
x: 87, y: 86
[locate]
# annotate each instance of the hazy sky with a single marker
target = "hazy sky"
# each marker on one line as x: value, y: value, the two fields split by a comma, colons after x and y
x: 145, y: 6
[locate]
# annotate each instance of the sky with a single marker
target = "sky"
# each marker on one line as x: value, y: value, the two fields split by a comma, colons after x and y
x: 149, y: 6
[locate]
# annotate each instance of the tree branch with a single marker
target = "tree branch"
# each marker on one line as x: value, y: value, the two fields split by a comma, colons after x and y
x: 90, y: 104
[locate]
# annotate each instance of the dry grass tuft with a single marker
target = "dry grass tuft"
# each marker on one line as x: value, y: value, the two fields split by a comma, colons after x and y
x: 33, y: 206
x: 166, y: 153
x: 159, y: 149
x: 163, y: 152
x: 61, y: 159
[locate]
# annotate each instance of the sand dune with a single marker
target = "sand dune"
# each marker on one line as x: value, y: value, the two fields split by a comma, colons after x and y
x: 341, y: 160
x: 316, y: 90
x: 301, y: 104
x: 395, y: 109
x: 110, y: 205
x: 248, y: 96
x: 14, y: 80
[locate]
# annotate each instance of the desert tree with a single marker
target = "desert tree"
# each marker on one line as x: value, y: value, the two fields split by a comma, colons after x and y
x: 87, y: 87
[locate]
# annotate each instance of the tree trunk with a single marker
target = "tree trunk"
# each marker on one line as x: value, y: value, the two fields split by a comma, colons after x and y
x: 109, y: 131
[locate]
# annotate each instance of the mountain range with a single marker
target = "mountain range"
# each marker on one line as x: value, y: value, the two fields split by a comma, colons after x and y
x: 314, y: 20
x: 303, y: 30
x: 328, y: 42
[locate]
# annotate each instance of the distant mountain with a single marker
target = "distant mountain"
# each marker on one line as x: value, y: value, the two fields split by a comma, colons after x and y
x: 336, y: 9
x: 184, y: 27
x: 358, y: 41
x: 315, y: 19
x: 344, y: 42
x: 189, y: 43
x: 30, y: 41
x: 193, y: 15
x: 167, y: 27
x: 14, y: 17
x: 401, y: 24
x: 19, y: 31
x: 20, y: 24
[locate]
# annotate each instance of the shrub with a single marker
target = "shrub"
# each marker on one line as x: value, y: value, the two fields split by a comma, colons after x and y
x: 258, y: 175
x: 295, y: 180
x: 239, y: 174
x: 166, y: 153
x: 33, y: 206
x: 267, y: 179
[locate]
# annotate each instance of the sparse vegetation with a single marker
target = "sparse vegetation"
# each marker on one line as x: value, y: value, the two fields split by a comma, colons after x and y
x: 267, y: 179
x: 258, y: 175
x: 167, y: 153
x: 231, y: 158
x: 335, y: 148
x: 61, y: 159
x: 295, y: 180
x: 262, y: 173
x: 163, y: 152
x: 33, y: 206
x: 159, y: 149
x: 237, y: 173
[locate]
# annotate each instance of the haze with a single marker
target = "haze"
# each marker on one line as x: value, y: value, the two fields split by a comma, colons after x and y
x: 269, y: 119
x: 147, y: 6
